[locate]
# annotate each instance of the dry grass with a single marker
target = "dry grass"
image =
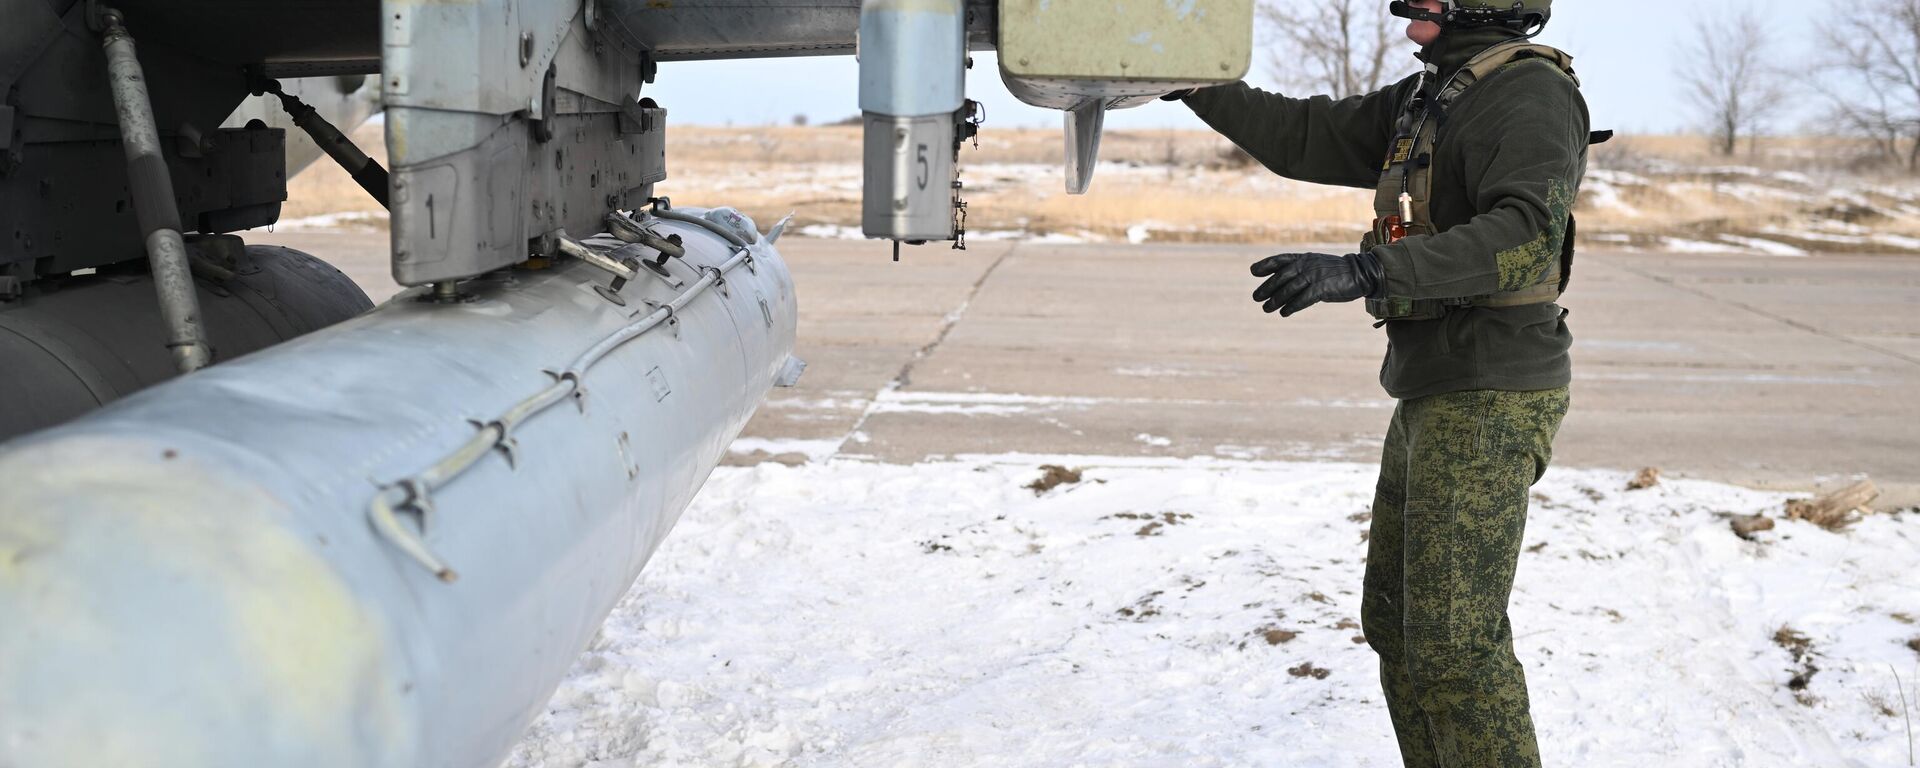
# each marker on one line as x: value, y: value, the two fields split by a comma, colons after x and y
x: 1053, y: 476
x: 1804, y: 154
x: 788, y: 145
x: 324, y: 188
x: 1815, y: 194
x: 1171, y: 185
x: 1275, y: 635
x: 1173, y: 182
x: 1644, y: 479
x: 1800, y: 648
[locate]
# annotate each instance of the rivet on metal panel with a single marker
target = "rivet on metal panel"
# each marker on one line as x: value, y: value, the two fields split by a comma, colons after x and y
x: 526, y: 48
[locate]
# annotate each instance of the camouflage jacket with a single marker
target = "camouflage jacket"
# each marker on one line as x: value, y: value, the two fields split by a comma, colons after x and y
x: 1508, y: 162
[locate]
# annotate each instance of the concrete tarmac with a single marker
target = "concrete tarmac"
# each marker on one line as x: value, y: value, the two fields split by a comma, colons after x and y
x: 1772, y: 372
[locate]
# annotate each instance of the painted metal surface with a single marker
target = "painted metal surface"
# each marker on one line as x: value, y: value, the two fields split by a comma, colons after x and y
x: 913, y: 56
x: 190, y: 578
x: 1087, y: 58
x: 908, y: 172
x: 1083, y: 129
x: 506, y: 121
x: 151, y: 188
x: 731, y: 29
x: 1196, y: 41
x: 94, y: 340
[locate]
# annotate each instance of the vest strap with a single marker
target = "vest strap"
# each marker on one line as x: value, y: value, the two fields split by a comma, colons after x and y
x: 1409, y: 168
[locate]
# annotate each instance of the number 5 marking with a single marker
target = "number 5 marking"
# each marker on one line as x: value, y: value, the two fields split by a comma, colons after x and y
x: 926, y: 170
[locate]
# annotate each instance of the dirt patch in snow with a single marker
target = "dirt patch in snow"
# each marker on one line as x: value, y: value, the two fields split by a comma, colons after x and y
x: 1800, y: 648
x: 1307, y: 669
x: 1276, y: 636
x: 1053, y: 476
x: 1647, y: 478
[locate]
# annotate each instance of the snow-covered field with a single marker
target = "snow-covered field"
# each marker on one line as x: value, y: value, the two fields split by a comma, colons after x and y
x: 1204, y: 613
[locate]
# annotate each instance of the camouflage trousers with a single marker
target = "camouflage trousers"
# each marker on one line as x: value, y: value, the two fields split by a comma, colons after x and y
x: 1448, y: 515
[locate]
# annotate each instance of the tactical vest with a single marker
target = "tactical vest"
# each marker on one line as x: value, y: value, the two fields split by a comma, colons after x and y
x: 1401, y: 202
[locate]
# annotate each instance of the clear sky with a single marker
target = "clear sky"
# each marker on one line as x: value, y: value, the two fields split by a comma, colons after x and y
x: 1623, y: 49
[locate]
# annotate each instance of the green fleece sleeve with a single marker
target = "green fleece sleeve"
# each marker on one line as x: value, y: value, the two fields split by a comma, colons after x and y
x: 1316, y: 139
x: 1521, y: 146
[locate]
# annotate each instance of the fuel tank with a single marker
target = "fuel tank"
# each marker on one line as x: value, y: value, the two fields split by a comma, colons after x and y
x: 96, y: 338
x: 382, y: 543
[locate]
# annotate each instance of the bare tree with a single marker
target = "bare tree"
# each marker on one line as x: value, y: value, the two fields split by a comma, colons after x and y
x: 1873, y: 46
x: 1732, y: 77
x: 1338, y: 47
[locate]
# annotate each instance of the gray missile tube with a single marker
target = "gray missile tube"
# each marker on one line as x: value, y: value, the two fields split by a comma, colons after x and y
x: 191, y: 577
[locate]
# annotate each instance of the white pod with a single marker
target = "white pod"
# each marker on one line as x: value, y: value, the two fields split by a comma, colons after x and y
x: 196, y: 575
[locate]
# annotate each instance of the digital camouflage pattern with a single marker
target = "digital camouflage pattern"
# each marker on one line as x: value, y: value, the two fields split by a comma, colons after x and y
x: 1448, y: 516
x: 1527, y: 264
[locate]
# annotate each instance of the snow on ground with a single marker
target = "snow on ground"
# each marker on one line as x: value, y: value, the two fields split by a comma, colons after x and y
x: 1179, y: 612
x: 1763, y: 246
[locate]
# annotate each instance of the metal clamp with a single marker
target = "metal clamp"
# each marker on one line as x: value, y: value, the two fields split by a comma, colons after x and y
x: 623, y: 226
x: 415, y: 492
x: 621, y: 272
x: 382, y: 514
x: 671, y: 320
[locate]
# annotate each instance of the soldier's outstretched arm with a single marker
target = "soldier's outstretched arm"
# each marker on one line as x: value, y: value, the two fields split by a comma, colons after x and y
x: 1521, y: 161
x: 1316, y: 139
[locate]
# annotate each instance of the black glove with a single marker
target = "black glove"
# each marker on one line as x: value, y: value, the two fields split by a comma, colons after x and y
x: 1296, y: 281
x: 1178, y: 95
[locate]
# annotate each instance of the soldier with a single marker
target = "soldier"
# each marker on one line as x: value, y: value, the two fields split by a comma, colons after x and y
x: 1484, y: 150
